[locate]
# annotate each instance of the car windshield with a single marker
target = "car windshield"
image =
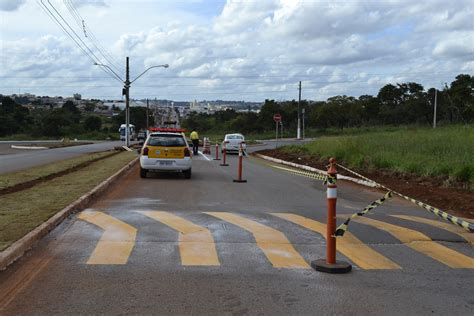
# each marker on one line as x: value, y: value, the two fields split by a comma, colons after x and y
x: 167, y: 141
x: 239, y: 137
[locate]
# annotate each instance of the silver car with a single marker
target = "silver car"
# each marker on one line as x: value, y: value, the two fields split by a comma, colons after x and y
x: 232, y: 142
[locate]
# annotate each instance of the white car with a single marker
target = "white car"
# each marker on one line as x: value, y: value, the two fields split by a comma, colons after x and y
x: 232, y: 142
x: 165, y: 150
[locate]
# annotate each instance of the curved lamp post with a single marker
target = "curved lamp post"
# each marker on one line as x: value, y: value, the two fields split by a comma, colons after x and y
x: 126, y: 91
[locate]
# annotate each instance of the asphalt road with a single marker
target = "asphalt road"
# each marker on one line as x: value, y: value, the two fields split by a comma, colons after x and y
x: 166, y: 245
x: 18, y: 159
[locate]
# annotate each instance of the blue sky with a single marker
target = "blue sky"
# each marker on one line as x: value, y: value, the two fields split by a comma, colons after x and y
x: 250, y: 50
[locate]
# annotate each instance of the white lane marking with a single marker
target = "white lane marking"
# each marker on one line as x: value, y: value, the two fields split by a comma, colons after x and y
x: 204, y: 156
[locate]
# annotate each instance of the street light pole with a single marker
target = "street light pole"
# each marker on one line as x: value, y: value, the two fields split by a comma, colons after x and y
x: 435, y: 106
x: 126, y: 91
x: 298, y: 132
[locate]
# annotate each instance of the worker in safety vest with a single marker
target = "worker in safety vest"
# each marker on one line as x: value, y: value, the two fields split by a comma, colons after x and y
x: 195, y: 139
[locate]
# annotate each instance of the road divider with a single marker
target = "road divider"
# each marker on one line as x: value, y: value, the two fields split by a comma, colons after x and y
x: 217, y: 152
x: 224, y: 157
x: 240, y: 166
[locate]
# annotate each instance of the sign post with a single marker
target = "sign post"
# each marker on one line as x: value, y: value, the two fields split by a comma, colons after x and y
x: 277, y: 119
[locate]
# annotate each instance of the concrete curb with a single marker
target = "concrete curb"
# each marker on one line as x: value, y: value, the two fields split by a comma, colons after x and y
x: 18, y: 248
x: 307, y: 168
x: 28, y: 147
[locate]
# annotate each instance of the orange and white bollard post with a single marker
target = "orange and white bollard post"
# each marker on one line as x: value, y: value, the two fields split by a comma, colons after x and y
x: 217, y: 152
x: 239, y: 171
x: 224, y: 156
x: 330, y: 264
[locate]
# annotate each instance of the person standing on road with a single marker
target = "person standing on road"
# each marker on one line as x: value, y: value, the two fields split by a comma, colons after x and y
x: 195, y: 139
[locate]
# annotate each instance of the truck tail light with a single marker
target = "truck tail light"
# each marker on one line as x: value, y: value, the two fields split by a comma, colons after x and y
x: 145, y: 151
x: 187, y: 153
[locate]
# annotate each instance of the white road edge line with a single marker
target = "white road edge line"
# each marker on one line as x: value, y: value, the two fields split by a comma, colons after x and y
x: 204, y: 156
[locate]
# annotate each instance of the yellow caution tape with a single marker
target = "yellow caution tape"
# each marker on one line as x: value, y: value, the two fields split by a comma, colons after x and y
x: 343, y: 227
x: 307, y: 174
x: 446, y: 216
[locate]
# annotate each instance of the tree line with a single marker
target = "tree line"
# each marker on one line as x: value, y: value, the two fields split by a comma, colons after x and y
x: 65, y: 121
x: 395, y: 104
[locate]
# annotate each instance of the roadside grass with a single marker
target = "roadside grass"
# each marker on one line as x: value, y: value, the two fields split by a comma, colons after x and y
x: 23, y: 211
x: 445, y: 151
x: 11, y: 179
x: 309, y: 132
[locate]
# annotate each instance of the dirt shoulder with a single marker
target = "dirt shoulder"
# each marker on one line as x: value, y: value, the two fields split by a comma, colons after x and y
x: 426, y: 189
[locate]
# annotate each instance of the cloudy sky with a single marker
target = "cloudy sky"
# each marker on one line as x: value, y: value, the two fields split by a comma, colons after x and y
x: 232, y: 50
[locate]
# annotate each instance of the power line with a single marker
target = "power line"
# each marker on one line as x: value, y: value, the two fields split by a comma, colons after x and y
x: 89, y: 34
x: 51, y: 15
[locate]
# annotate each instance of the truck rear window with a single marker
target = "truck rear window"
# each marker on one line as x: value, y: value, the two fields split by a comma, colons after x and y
x: 167, y: 141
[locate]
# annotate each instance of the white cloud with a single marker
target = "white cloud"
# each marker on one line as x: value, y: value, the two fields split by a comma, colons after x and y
x: 249, y: 50
x: 11, y: 5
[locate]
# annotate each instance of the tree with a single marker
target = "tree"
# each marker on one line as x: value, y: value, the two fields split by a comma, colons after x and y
x: 14, y: 118
x: 90, y: 106
x: 92, y: 123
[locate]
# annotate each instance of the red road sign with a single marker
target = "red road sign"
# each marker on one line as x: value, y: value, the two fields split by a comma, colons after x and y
x: 277, y: 117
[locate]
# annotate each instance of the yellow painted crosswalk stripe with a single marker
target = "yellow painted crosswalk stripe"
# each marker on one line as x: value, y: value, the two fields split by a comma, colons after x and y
x: 350, y: 246
x: 196, y: 245
x: 274, y: 244
x: 443, y: 225
x: 422, y: 243
x: 117, y: 241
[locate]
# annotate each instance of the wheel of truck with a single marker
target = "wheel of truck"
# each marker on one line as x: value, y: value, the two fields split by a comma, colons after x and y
x: 143, y: 172
x: 187, y: 174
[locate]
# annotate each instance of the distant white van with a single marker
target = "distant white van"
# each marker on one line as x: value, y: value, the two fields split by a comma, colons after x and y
x: 132, y: 132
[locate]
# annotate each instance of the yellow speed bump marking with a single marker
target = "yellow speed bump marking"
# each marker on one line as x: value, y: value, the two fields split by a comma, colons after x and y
x: 350, y: 246
x: 196, y: 245
x: 443, y: 225
x: 422, y: 243
x: 117, y: 241
x: 274, y: 244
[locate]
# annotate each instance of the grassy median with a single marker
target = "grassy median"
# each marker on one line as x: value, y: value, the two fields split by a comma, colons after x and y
x: 22, y: 211
x: 36, y: 173
x: 445, y: 151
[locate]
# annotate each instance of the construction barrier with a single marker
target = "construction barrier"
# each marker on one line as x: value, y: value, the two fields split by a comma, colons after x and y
x: 239, y: 171
x: 343, y: 227
x: 217, y: 152
x: 316, y: 175
x: 224, y: 157
x: 330, y: 265
x: 446, y: 216
x: 206, y: 146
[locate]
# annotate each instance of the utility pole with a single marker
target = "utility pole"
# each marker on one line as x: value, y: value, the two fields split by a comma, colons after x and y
x: 298, y: 132
x: 127, y: 103
x: 147, y: 105
x: 302, y: 113
x: 435, y: 106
